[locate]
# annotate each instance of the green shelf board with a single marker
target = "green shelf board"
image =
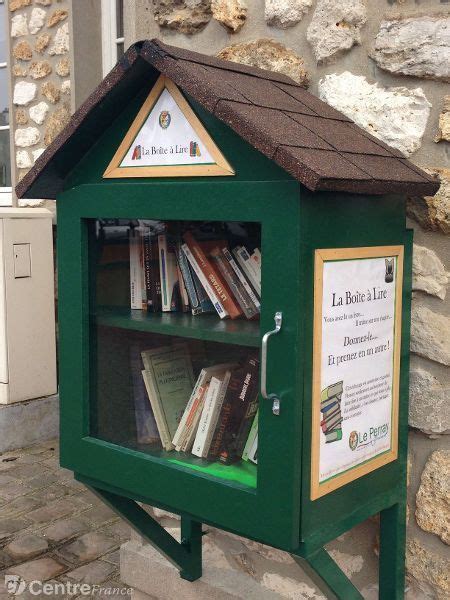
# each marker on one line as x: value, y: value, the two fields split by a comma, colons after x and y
x: 242, y: 472
x: 201, y: 327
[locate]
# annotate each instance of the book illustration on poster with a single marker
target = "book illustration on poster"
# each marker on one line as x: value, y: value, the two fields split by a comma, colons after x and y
x: 330, y: 407
x: 166, y: 139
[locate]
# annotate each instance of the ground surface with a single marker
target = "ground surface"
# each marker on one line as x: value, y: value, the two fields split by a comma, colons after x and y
x: 53, y: 529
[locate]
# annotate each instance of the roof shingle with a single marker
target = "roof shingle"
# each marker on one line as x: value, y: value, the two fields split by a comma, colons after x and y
x: 312, y: 141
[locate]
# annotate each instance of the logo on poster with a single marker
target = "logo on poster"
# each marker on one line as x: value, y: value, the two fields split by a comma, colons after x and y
x: 353, y: 440
x: 164, y: 119
x: 357, y: 441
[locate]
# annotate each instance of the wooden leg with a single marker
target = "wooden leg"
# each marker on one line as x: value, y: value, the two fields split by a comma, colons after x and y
x: 392, y: 552
x: 328, y: 577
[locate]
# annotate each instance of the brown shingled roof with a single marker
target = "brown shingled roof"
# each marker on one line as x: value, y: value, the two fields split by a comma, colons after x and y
x: 312, y: 141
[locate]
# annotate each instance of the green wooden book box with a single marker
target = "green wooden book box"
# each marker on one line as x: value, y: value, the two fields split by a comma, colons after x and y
x: 178, y: 138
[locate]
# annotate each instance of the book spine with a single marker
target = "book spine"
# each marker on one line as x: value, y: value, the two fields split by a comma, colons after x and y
x: 192, y: 423
x: 205, y: 417
x: 135, y: 272
x: 208, y: 289
x: 182, y: 424
x: 213, y: 278
x: 169, y: 277
x: 206, y: 306
x: 234, y: 284
x: 251, y: 438
x: 157, y: 411
x: 243, y: 259
x: 188, y: 281
x: 216, y: 414
x: 148, y: 268
x: 162, y: 247
x: 244, y: 407
x: 142, y: 267
x: 242, y: 278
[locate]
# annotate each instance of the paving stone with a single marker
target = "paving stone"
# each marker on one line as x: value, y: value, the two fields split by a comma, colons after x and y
x: 54, y: 510
x: 41, y: 569
x: 42, y: 481
x: 113, y: 557
x: 13, y: 490
x: 20, y: 471
x: 26, y: 547
x: 20, y: 505
x: 5, y: 559
x: 87, y: 547
x: 119, y: 530
x: 53, y: 492
x: 93, y: 572
x: 4, y: 479
x: 100, y: 514
x: 10, y: 526
x: 63, y: 530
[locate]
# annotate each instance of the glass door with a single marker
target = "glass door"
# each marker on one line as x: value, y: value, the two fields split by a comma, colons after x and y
x: 175, y: 366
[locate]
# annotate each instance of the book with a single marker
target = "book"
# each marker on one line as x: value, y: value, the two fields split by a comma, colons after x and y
x: 206, y: 305
x: 253, y: 434
x: 194, y: 399
x: 169, y: 381
x: 210, y: 413
x: 330, y: 407
x: 135, y: 269
x: 333, y: 436
x: 188, y: 280
x: 220, y: 309
x: 244, y: 261
x: 253, y: 451
x: 240, y: 293
x: 192, y: 420
x: 213, y: 277
x: 146, y: 428
x: 239, y: 405
x: 241, y: 278
x: 151, y: 271
x: 168, y: 274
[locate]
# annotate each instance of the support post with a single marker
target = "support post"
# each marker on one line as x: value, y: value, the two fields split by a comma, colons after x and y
x: 327, y: 575
x: 187, y: 556
x: 392, y: 552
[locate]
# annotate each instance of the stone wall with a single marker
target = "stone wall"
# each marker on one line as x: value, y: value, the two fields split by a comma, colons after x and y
x: 386, y: 64
x: 40, y: 77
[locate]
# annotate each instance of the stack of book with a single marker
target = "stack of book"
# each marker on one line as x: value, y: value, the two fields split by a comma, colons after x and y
x: 170, y: 273
x: 330, y: 407
x: 213, y: 417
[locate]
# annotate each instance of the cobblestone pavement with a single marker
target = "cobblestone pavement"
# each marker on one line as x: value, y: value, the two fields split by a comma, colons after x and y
x: 52, y: 529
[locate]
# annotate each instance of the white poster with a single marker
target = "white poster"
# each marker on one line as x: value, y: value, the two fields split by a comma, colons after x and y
x: 357, y: 362
x: 166, y: 138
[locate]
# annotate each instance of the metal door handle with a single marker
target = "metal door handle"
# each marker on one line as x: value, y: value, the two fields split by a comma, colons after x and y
x: 275, y: 400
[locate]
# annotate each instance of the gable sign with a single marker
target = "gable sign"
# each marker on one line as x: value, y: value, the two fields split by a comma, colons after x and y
x: 166, y: 139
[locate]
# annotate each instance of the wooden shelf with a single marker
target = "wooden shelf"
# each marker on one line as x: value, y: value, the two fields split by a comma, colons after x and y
x: 201, y: 327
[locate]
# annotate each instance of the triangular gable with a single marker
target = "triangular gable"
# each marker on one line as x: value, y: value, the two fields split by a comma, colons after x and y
x: 166, y: 139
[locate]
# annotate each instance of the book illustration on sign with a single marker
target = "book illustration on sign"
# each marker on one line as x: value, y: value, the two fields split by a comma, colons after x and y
x: 330, y: 407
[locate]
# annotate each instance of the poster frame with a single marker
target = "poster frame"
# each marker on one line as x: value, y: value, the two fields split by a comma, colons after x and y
x: 322, y: 256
